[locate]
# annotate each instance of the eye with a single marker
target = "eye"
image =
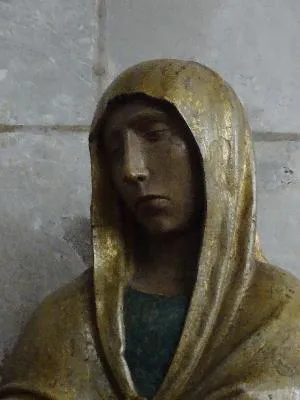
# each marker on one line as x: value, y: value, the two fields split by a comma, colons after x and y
x: 116, y: 151
x: 115, y: 144
x: 156, y: 134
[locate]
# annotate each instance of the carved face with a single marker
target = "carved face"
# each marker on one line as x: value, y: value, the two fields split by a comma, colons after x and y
x: 152, y: 166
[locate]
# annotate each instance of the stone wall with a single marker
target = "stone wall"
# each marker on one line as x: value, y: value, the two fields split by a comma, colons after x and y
x: 253, y: 44
x: 50, y: 71
x: 54, y: 56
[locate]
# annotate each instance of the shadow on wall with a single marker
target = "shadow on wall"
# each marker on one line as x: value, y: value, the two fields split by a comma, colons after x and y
x: 36, y: 264
x: 79, y: 235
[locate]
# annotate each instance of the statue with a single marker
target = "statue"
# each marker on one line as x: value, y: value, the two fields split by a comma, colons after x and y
x: 181, y: 303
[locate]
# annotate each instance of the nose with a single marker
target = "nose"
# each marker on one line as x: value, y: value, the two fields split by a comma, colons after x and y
x: 135, y: 169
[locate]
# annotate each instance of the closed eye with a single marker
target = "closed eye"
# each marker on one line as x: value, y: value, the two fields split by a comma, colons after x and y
x: 115, y: 143
x: 116, y: 151
x: 155, y: 135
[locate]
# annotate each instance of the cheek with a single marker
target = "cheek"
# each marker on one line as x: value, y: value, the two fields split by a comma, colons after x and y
x: 176, y: 174
x: 183, y: 178
x: 172, y: 157
x: 181, y: 167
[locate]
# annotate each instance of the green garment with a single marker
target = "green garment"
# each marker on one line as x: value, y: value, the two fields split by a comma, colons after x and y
x: 153, y: 326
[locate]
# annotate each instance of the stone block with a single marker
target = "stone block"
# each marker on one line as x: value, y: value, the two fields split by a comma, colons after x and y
x: 253, y: 44
x: 47, y: 53
x: 278, y: 198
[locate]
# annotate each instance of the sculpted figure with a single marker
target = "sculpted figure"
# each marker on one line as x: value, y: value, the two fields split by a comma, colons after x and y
x: 181, y: 303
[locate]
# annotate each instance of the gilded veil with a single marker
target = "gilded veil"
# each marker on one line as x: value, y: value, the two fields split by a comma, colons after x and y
x: 241, y: 338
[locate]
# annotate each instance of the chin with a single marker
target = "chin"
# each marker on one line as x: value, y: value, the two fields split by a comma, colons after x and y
x: 162, y: 227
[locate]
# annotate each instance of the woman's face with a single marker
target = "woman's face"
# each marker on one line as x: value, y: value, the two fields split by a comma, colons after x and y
x: 152, y: 167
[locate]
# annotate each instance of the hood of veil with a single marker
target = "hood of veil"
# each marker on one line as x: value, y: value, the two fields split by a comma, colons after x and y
x: 229, y: 252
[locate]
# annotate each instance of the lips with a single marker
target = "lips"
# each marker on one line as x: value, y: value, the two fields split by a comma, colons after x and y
x: 150, y: 200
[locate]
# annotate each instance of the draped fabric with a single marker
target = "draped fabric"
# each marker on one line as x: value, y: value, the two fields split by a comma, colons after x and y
x: 241, y: 337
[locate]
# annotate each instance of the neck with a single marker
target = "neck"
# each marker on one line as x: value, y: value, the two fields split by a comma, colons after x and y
x: 167, y: 265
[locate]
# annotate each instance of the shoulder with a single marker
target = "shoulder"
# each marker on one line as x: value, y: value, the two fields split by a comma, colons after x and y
x: 58, y: 354
x: 59, y: 331
x: 68, y: 304
x: 64, y: 314
x: 274, y: 281
x: 271, y: 304
x: 283, y: 288
x: 278, y: 292
x: 77, y: 290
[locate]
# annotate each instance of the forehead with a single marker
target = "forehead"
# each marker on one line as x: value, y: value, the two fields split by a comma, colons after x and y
x: 131, y: 113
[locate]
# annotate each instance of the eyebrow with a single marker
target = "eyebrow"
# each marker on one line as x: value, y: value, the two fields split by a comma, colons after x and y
x: 148, y: 116
x: 144, y: 116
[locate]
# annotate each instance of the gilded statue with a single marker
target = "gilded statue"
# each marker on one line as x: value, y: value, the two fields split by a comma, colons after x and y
x: 181, y: 303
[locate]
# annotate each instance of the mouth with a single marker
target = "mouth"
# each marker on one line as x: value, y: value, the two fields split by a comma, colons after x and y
x: 150, y: 200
